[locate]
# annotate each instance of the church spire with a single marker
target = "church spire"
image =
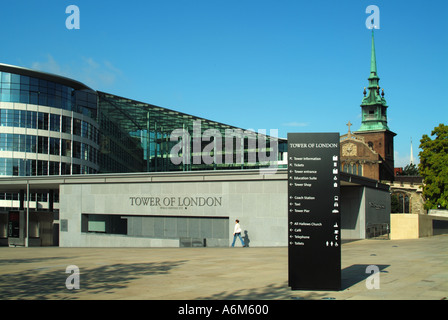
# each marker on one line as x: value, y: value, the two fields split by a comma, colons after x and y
x: 374, y: 107
x: 373, y: 78
x: 373, y: 58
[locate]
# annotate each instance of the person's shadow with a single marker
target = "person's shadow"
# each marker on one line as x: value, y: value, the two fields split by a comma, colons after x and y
x: 246, y: 239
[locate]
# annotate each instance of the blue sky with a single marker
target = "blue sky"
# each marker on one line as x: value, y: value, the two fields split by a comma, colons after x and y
x: 295, y: 66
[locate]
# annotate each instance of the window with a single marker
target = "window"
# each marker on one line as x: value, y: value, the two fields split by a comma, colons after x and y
x: 54, y: 168
x: 21, y: 118
x: 42, y: 168
x: 77, y: 149
x: 55, y: 122
x: 77, y: 127
x: 20, y: 143
x: 42, y: 145
x: 352, y: 168
x: 15, y: 78
x: 9, y: 118
x: 76, y: 169
x: 54, y: 146
x: 65, y: 168
x: 6, y: 77
x: 31, y: 119
x: 42, y: 121
x: 24, y: 89
x: 66, y: 148
x: 31, y: 144
x: 66, y: 124
x: 84, y: 129
x: 102, y: 223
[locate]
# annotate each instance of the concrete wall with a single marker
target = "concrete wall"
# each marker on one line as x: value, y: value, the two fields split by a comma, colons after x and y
x: 410, y: 226
x: 259, y: 202
x: 104, y: 240
x: 353, y: 213
x: 362, y: 209
x: 414, y: 226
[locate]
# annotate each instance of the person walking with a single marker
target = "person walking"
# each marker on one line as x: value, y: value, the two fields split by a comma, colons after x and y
x: 237, y: 233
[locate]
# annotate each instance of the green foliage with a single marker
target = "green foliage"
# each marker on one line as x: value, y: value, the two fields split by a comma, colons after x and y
x: 410, y: 170
x: 434, y: 167
x: 395, y: 206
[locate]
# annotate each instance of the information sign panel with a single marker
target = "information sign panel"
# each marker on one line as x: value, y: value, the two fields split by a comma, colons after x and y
x: 314, y: 233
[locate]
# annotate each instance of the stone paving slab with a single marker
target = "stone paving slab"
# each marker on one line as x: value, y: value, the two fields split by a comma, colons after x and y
x: 409, y: 269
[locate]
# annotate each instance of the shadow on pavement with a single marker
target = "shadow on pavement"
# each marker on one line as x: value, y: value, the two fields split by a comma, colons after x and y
x: 357, y: 273
x: 271, y: 292
x: 31, y: 260
x: 50, y: 284
x: 349, y: 277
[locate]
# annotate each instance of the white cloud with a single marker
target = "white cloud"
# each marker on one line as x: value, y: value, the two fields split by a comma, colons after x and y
x: 95, y: 74
x: 50, y: 66
x: 99, y: 74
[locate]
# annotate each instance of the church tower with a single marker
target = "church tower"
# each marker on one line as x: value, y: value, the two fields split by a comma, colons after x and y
x: 374, y: 128
x: 374, y: 107
x: 370, y: 150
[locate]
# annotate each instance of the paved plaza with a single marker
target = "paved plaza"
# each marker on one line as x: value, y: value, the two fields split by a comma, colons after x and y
x: 409, y: 269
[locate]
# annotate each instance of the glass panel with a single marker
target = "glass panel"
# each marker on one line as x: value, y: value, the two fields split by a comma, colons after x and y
x: 97, y: 226
x: 24, y: 80
x: 6, y: 77
x: 54, y: 146
x: 66, y: 124
x: 42, y: 121
x: 55, y: 122
x: 15, y: 78
x: 54, y: 168
x: 77, y: 127
x: 42, y: 146
x: 66, y: 148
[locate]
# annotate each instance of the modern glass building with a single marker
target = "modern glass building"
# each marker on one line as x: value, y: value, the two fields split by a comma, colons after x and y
x: 140, y: 137
x: 52, y: 125
x: 47, y: 124
x: 56, y: 126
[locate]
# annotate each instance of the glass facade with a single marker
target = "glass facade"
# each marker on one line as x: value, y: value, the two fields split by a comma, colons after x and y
x: 47, y: 125
x: 32, y: 90
x: 139, y: 137
x: 50, y: 125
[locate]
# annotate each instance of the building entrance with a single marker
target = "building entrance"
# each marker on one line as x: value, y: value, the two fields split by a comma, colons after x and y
x: 13, y: 229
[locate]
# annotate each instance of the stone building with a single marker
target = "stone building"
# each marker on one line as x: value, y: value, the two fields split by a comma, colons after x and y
x: 369, y: 152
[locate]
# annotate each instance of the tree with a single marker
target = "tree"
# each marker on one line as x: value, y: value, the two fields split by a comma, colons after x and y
x: 410, y: 170
x: 434, y: 167
x: 395, y: 206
